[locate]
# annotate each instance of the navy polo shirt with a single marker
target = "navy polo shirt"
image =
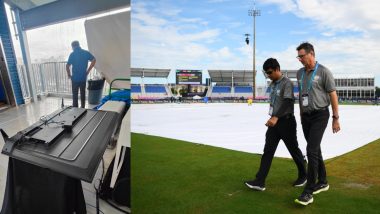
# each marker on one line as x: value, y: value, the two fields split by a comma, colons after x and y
x: 79, y: 59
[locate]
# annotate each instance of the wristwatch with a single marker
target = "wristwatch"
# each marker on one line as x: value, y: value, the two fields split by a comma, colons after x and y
x: 335, y: 117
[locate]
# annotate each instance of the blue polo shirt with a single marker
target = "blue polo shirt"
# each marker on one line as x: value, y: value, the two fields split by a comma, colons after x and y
x: 79, y: 59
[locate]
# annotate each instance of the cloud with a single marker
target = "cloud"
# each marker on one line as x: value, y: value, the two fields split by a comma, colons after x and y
x: 170, y: 45
x: 348, y: 15
x: 339, y: 21
x: 284, y: 5
x: 142, y: 14
x: 351, y: 55
x: 328, y: 34
x: 345, y: 39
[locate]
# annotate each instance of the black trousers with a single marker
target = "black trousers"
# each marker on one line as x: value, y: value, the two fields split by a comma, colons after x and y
x: 79, y: 86
x: 314, y: 125
x: 286, y: 130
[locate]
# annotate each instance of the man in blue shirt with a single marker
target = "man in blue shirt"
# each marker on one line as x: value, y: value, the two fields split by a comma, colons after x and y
x: 78, y: 60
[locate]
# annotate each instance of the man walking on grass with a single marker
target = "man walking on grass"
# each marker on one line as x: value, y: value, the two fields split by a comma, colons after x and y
x: 281, y: 126
x: 317, y: 90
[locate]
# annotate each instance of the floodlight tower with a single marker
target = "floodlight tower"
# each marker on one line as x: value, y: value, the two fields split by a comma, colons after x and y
x: 253, y: 12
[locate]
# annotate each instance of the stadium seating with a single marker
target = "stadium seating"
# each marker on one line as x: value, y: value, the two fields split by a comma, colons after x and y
x: 221, y: 89
x: 150, y: 92
x: 136, y: 89
x: 243, y: 89
x: 155, y: 89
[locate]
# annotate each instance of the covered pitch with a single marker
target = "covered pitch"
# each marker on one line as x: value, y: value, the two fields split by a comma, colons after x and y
x: 241, y: 127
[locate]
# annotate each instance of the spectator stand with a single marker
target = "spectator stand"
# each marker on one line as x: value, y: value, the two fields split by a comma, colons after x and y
x: 231, y: 85
x: 150, y: 93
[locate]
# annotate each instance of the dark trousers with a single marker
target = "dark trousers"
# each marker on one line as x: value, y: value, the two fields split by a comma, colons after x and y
x: 286, y: 130
x: 82, y: 87
x: 314, y: 125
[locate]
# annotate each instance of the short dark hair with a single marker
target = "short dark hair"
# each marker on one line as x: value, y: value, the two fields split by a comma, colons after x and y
x: 75, y: 44
x: 271, y: 63
x: 306, y: 46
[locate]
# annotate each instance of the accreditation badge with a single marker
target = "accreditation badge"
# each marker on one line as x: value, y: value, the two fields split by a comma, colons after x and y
x: 270, y: 110
x: 305, y: 99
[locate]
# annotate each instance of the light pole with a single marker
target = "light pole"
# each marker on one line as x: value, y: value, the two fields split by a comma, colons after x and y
x: 253, y: 12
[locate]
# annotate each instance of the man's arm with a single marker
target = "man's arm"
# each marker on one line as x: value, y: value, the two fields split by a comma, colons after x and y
x: 287, y: 102
x: 68, y: 70
x: 91, y: 66
x: 334, y: 106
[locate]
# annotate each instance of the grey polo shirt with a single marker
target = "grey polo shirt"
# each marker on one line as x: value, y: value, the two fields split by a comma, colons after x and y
x: 280, y: 90
x: 322, y: 84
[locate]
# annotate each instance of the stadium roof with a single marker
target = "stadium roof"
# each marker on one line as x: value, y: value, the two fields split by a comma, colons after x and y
x: 40, y: 13
x: 225, y: 76
x: 150, y: 72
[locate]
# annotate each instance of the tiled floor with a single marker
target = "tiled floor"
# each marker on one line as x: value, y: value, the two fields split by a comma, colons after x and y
x: 15, y: 119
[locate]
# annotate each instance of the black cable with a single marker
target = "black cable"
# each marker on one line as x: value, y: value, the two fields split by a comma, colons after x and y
x: 97, y: 190
x: 94, y: 207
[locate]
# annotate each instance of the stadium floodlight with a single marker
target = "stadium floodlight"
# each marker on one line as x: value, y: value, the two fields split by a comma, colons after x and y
x: 253, y: 12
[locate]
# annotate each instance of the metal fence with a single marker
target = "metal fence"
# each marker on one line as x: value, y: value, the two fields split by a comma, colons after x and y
x: 49, y: 78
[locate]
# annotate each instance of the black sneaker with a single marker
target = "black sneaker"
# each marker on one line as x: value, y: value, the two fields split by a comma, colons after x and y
x: 304, y: 199
x: 300, y: 182
x: 320, y: 188
x: 255, y: 185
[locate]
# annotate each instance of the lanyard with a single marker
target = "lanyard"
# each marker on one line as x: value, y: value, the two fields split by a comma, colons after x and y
x: 273, y: 98
x: 311, y: 78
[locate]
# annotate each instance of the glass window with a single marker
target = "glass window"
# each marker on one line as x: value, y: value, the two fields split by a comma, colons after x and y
x: 367, y: 94
x: 353, y: 82
x: 371, y: 82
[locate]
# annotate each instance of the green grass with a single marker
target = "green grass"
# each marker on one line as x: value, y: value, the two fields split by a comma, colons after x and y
x: 171, y: 176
